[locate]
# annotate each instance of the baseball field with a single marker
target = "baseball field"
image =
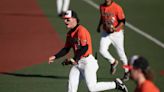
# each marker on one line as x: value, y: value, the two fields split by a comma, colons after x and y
x: 31, y: 31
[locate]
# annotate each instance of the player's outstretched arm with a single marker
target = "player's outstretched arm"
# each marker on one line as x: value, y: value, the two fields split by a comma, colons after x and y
x: 61, y: 53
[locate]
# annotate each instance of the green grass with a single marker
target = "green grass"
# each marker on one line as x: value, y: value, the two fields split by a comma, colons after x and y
x: 147, y: 15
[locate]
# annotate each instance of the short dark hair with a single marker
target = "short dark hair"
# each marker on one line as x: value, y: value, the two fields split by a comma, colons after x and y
x: 74, y: 15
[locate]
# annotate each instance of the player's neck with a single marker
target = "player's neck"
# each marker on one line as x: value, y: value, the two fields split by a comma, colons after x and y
x: 74, y: 28
x: 141, y: 80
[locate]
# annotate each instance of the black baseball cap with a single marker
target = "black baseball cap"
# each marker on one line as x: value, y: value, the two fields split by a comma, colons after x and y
x: 70, y: 14
x: 137, y: 62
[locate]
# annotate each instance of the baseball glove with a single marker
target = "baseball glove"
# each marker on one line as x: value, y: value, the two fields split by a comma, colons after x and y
x: 70, y: 61
x: 108, y: 26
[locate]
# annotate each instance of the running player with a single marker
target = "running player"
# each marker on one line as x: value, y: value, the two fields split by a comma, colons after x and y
x: 62, y: 6
x: 141, y: 73
x: 84, y: 64
x: 111, y: 26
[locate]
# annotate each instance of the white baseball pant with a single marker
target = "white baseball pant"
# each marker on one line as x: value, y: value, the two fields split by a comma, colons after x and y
x: 117, y: 40
x: 62, y: 5
x: 87, y: 69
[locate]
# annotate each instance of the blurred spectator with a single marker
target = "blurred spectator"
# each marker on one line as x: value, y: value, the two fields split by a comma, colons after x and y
x: 141, y: 73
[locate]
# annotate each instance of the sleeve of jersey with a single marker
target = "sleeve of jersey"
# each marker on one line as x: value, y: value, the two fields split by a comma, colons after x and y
x: 121, y: 14
x: 82, y: 36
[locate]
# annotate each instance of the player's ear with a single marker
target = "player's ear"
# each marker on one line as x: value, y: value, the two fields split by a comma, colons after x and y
x: 74, y: 19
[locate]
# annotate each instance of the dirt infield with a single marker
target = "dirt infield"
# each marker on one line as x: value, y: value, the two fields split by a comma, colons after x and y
x: 26, y: 36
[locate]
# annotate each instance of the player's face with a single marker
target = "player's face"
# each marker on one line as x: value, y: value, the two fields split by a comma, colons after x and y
x: 108, y: 2
x: 134, y: 74
x: 70, y: 22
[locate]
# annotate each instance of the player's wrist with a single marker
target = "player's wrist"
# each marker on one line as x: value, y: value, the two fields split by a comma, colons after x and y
x: 73, y: 61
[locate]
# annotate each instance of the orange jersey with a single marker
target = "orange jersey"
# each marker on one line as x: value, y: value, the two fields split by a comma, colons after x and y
x: 77, y: 38
x: 147, y: 86
x: 110, y: 15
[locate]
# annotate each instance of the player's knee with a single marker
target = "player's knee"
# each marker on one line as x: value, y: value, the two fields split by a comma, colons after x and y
x: 91, y: 88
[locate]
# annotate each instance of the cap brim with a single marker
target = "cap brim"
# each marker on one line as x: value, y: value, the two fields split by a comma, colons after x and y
x: 65, y: 17
x: 129, y: 67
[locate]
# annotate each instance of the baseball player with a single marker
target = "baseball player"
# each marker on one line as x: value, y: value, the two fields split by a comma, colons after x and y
x: 140, y: 72
x: 111, y: 26
x: 62, y: 6
x: 84, y: 65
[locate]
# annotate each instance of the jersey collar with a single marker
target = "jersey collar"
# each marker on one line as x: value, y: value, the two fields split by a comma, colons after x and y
x: 74, y: 28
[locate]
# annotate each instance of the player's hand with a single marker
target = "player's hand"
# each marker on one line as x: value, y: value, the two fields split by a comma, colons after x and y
x: 74, y: 63
x: 113, y: 28
x: 51, y: 59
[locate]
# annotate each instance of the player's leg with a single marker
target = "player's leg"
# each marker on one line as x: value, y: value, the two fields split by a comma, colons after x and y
x: 59, y: 4
x: 74, y: 78
x: 118, y: 42
x: 66, y: 5
x: 91, y: 78
x: 105, y: 42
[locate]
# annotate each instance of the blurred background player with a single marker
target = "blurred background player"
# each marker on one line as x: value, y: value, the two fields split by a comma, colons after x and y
x: 84, y: 64
x: 111, y: 25
x: 62, y: 6
x: 141, y: 74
